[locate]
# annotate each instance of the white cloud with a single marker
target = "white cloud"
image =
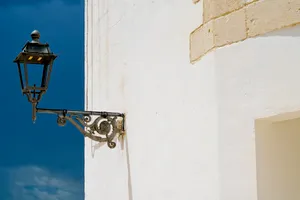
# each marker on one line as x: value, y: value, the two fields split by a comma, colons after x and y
x: 35, y: 183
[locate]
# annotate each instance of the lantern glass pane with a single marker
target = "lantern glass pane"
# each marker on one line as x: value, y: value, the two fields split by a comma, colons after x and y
x: 35, y: 74
x: 36, y: 48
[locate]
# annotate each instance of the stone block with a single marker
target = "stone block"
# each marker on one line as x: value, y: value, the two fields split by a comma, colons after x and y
x: 230, y: 28
x: 267, y: 15
x: 216, y: 8
x: 201, y: 41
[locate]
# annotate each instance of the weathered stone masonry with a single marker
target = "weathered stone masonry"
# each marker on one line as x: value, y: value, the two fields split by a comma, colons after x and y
x: 230, y: 21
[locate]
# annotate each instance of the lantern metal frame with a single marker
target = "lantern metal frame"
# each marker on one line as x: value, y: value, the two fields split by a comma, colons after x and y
x: 29, y: 56
x: 99, y: 126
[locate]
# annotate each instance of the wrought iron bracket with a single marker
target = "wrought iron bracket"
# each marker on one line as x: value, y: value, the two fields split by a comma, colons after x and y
x: 98, y: 126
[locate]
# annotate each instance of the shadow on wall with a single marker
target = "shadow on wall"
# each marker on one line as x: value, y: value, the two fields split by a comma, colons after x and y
x: 277, y: 159
x: 97, y: 145
x: 128, y: 172
x: 123, y: 142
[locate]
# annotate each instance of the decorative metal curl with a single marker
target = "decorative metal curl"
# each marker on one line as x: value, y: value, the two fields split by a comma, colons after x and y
x: 98, y: 126
x: 61, y: 121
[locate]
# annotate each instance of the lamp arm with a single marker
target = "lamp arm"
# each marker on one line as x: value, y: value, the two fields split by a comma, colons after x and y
x: 98, y: 126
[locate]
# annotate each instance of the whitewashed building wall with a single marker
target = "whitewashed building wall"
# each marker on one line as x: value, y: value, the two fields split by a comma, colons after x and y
x: 190, y: 128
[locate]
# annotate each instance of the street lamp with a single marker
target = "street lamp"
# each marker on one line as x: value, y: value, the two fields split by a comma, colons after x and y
x: 98, y: 126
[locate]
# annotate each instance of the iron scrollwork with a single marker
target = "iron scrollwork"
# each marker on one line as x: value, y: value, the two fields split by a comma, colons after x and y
x: 98, y: 126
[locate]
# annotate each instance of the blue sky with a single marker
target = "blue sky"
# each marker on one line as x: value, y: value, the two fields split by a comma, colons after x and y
x: 42, y: 161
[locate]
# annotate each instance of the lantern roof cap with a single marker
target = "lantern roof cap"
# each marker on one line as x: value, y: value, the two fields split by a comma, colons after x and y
x: 39, y: 53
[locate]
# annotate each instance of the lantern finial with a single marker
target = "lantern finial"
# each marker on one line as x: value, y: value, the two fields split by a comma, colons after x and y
x: 35, y: 35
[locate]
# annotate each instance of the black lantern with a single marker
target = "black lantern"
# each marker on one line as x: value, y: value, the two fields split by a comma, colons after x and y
x: 35, y: 54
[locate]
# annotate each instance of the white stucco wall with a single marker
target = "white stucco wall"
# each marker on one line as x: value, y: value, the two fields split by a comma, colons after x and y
x: 190, y: 128
x: 137, y: 62
x: 256, y: 78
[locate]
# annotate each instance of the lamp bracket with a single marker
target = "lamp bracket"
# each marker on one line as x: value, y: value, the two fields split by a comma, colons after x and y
x: 98, y: 126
